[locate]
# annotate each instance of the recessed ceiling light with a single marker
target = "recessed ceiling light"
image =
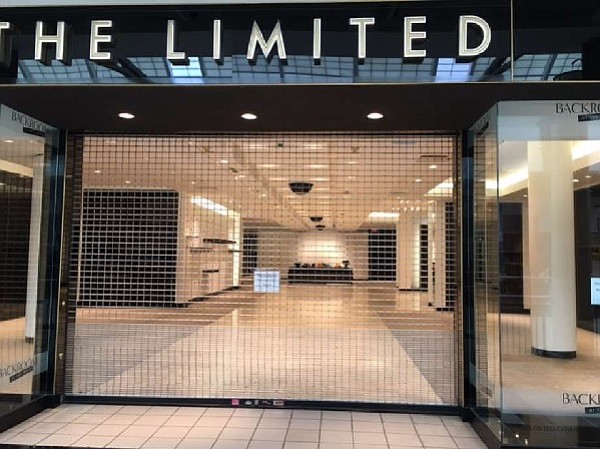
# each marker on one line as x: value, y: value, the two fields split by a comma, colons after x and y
x: 97, y: 171
x: 576, y: 180
x: 433, y: 166
x: 249, y: 116
x: 9, y: 141
x: 126, y: 115
x: 268, y: 165
x: 374, y: 115
x: 418, y: 180
x: 384, y: 215
x: 127, y: 182
x: 588, y: 176
x: 525, y: 196
x: 224, y: 161
x: 317, y: 166
x: 193, y: 182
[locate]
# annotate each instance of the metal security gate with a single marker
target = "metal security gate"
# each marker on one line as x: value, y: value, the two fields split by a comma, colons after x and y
x: 238, y: 266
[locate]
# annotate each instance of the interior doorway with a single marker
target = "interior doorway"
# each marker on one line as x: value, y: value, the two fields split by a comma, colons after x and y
x: 240, y: 266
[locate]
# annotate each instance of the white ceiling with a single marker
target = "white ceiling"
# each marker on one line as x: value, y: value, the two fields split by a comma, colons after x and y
x: 353, y: 175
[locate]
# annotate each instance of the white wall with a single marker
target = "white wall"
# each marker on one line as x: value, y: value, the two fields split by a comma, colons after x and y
x: 279, y: 249
x: 195, y: 256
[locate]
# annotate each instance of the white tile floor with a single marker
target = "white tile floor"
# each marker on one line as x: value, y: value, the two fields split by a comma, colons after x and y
x: 227, y: 428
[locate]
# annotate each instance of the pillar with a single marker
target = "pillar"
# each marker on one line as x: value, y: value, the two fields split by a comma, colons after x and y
x: 526, y: 277
x: 437, y: 254
x: 405, y: 257
x: 34, y: 247
x: 551, y: 249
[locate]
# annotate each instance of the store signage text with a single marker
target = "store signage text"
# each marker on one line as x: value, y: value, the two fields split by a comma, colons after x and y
x: 17, y: 370
x: 28, y: 122
x: 581, y: 398
x: 56, y: 45
x: 578, y: 107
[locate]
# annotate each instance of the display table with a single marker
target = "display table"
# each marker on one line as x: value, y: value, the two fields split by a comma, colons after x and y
x: 309, y: 275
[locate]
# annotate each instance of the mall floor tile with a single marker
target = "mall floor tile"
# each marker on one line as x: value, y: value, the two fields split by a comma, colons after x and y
x: 133, y: 427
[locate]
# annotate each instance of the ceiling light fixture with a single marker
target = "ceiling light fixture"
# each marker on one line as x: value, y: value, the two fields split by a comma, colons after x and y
x: 433, y: 167
x: 588, y: 176
x: 249, y: 116
x: 9, y: 141
x: 97, y: 171
x: 224, y: 161
x: 418, y: 180
x: 576, y: 180
x: 374, y: 115
x: 384, y: 215
x: 126, y: 115
x: 351, y: 162
x: 210, y: 205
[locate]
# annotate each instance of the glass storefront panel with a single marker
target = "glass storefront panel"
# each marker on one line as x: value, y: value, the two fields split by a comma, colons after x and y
x: 485, y: 371
x: 546, y: 230
x: 25, y: 188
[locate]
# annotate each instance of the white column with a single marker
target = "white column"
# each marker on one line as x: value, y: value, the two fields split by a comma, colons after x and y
x: 437, y: 254
x: 34, y: 246
x: 552, y: 249
x: 526, y: 276
x: 405, y: 259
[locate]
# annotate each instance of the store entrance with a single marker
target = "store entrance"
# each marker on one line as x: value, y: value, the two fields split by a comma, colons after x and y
x: 240, y: 267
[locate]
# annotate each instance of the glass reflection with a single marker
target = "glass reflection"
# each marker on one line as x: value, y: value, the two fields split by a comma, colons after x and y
x: 549, y: 192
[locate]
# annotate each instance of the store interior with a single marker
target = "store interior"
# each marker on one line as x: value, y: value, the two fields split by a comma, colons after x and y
x: 298, y: 266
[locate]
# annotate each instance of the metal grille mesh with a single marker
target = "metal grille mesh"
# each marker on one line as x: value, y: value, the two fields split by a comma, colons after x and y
x: 286, y: 266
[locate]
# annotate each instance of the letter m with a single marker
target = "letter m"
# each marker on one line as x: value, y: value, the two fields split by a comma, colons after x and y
x: 257, y: 38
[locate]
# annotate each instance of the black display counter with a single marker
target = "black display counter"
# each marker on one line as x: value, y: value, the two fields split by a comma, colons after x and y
x: 301, y: 275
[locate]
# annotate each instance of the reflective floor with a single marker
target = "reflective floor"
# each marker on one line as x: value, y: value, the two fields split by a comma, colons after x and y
x: 543, y: 392
x: 365, y: 342
x: 221, y: 428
